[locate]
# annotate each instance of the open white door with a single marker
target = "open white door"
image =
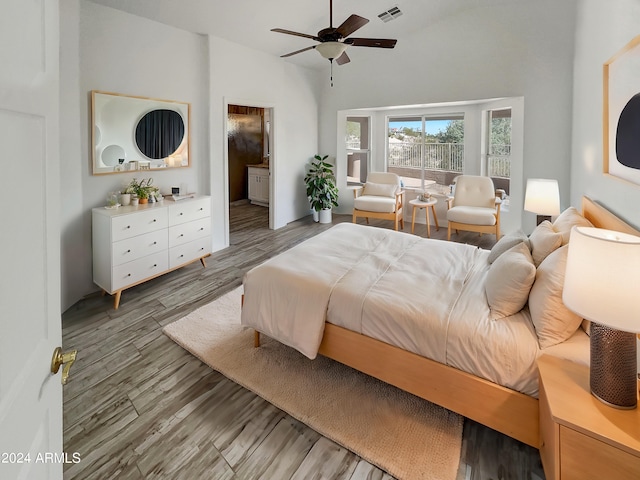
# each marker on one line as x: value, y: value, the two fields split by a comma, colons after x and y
x: 30, y: 396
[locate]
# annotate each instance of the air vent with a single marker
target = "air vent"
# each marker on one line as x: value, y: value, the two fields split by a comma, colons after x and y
x: 390, y: 14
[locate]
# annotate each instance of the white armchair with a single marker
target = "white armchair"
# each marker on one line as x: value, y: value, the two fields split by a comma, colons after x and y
x: 381, y: 197
x: 474, y: 206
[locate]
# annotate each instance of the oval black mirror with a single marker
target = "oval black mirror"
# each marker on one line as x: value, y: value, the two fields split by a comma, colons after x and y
x: 159, y: 133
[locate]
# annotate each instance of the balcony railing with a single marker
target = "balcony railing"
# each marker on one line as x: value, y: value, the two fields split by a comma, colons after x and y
x: 448, y: 157
x: 499, y: 161
x: 437, y: 156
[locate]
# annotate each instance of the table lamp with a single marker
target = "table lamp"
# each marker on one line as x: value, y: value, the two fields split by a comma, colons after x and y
x: 601, y: 284
x: 543, y: 198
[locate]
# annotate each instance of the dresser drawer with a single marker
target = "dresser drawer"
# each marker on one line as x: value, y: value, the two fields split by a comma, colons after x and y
x: 187, y: 232
x: 189, y: 210
x: 189, y: 251
x: 137, y: 247
x: 127, y: 226
x: 140, y: 269
x: 584, y: 458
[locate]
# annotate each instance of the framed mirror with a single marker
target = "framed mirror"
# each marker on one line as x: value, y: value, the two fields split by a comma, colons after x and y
x: 138, y: 133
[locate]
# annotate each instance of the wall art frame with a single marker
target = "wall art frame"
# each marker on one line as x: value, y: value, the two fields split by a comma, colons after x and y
x: 621, y: 113
x: 132, y: 133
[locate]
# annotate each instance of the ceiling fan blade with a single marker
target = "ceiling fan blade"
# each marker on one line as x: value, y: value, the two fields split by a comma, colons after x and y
x: 371, y: 42
x: 342, y: 59
x: 350, y: 25
x: 298, y: 51
x: 297, y: 34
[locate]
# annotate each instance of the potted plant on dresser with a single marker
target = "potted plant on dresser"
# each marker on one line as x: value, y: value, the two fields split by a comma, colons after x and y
x: 321, y: 188
x: 143, y: 189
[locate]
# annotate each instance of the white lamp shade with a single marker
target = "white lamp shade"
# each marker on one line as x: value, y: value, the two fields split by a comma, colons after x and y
x: 542, y: 196
x: 331, y: 50
x: 602, y: 278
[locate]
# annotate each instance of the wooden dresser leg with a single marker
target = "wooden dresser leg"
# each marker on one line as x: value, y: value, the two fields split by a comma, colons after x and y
x: 116, y: 300
x: 203, y: 263
x: 256, y: 339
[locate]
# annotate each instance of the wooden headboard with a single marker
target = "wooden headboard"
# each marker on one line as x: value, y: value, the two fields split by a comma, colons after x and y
x: 602, y: 218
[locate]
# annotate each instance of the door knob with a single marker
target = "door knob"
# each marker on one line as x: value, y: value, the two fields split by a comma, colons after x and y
x: 66, y: 358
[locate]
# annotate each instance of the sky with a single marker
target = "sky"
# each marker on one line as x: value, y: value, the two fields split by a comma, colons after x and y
x: 432, y: 126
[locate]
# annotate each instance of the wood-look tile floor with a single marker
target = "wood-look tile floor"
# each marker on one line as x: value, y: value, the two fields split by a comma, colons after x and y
x: 137, y: 406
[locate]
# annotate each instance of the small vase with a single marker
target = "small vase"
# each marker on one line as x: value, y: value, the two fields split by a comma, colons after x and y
x: 125, y: 199
x: 315, y: 216
x: 143, y: 201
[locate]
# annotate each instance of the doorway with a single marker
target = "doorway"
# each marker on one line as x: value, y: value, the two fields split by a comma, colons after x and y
x: 249, y: 165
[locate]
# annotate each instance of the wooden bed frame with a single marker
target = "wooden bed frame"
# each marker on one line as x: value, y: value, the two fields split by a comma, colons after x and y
x: 507, y: 411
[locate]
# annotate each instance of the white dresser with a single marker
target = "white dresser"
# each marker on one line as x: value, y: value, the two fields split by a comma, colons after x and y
x: 134, y: 244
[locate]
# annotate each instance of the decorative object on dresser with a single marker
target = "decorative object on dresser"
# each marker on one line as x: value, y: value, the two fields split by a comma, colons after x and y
x: 601, y: 286
x: 542, y: 197
x: 580, y: 437
x: 321, y: 187
x: 137, y: 243
x: 143, y: 190
x: 138, y: 133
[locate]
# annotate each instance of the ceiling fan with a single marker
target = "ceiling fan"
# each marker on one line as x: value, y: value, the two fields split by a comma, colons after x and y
x: 334, y: 41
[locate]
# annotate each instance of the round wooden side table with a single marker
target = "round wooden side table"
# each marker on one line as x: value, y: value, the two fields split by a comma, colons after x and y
x: 418, y: 204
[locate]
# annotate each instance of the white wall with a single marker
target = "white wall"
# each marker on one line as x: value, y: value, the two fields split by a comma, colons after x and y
x: 106, y: 49
x: 248, y: 77
x: 602, y: 29
x: 521, y: 50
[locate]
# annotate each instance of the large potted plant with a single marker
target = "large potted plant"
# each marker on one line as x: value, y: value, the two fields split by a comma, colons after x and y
x: 321, y: 188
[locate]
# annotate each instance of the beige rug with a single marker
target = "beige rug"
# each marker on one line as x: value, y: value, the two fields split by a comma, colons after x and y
x: 404, y: 435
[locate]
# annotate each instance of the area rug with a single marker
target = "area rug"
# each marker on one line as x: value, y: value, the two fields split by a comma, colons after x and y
x: 404, y: 435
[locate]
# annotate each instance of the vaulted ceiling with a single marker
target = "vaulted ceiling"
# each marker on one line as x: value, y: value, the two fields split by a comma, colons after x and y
x: 248, y: 22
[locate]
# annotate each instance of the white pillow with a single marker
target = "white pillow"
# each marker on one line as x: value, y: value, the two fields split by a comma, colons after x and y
x: 568, y: 219
x: 509, y: 281
x: 554, y: 323
x: 544, y: 240
x: 506, y: 242
x: 380, y: 189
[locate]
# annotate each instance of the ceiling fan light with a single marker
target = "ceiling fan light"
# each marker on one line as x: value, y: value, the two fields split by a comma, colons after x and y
x: 331, y: 50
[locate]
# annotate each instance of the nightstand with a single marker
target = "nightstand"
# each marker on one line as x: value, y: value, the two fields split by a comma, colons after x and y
x: 581, y: 437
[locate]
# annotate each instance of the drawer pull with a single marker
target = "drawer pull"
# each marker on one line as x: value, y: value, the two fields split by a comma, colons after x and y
x: 155, y: 243
x: 181, y: 235
x: 155, y: 265
x: 129, y: 251
x: 128, y: 274
x: 201, y: 228
x: 201, y: 209
x: 201, y: 248
x: 181, y: 256
x: 154, y: 220
x: 181, y: 214
x: 128, y: 226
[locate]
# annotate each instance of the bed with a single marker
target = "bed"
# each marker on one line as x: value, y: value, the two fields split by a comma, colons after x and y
x: 383, y: 306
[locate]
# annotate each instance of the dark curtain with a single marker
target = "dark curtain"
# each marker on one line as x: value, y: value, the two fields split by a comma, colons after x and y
x: 159, y: 133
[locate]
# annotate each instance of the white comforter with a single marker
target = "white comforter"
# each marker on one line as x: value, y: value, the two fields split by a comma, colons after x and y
x: 425, y: 296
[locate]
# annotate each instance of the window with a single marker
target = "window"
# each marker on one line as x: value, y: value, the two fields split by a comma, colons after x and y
x: 499, y: 148
x: 357, y: 139
x: 426, y: 148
